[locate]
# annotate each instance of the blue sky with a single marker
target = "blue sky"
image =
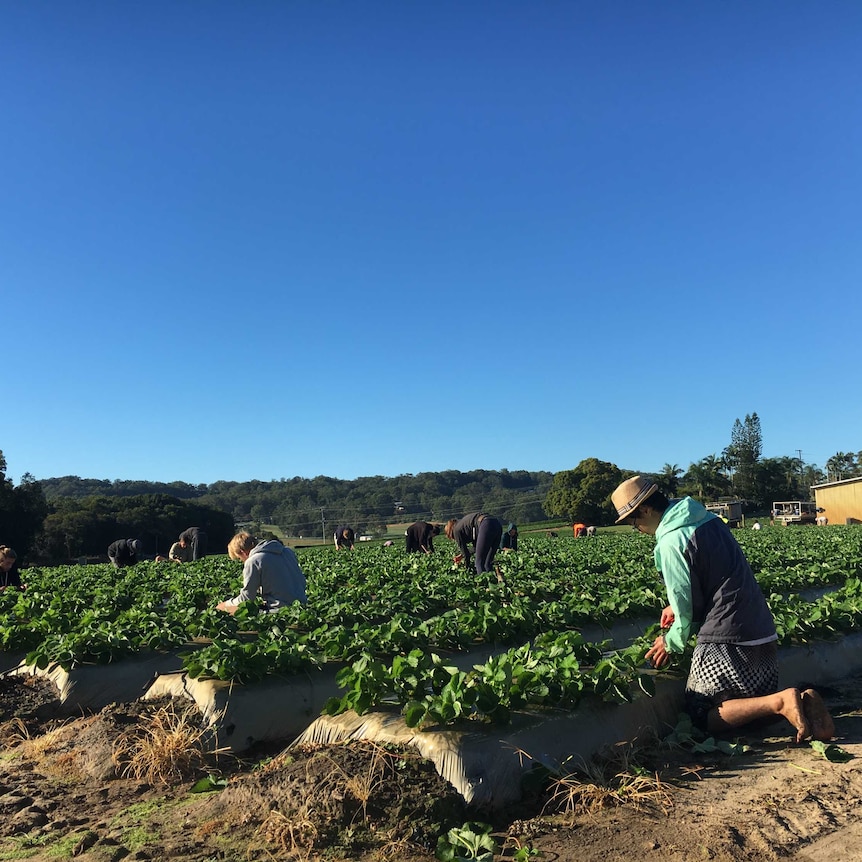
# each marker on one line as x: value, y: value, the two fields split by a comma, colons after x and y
x: 253, y: 240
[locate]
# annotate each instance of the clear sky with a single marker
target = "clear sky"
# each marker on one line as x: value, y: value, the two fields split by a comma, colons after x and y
x: 252, y: 240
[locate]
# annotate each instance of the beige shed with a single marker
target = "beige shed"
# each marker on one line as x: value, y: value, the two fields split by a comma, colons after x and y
x: 841, y: 502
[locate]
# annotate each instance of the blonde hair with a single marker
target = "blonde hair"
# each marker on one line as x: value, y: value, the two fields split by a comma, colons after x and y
x: 6, y: 553
x: 240, y: 542
x: 450, y: 527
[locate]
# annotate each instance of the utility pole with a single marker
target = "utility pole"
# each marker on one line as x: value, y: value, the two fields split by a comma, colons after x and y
x: 802, y: 473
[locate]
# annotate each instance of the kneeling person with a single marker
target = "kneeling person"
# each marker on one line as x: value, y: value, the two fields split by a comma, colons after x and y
x: 712, y: 592
x: 270, y: 570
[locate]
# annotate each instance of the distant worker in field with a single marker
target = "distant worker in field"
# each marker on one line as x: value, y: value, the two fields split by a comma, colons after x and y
x: 180, y: 554
x: 176, y: 554
x: 9, y: 576
x: 509, y: 540
x: 125, y: 552
x: 269, y: 571
x: 480, y: 530
x: 579, y: 530
x: 712, y: 592
x: 345, y: 538
x: 194, y: 539
x: 420, y: 537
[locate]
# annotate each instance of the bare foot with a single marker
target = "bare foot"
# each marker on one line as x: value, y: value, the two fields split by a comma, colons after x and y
x: 817, y: 715
x: 793, y: 710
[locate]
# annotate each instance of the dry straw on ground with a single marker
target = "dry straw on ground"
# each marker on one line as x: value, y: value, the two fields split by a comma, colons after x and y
x: 170, y: 746
x: 616, y: 778
x: 13, y: 732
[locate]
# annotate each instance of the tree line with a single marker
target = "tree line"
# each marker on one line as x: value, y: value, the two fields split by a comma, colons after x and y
x: 313, y: 508
x: 59, y: 519
x: 85, y: 526
x: 740, y: 472
x: 23, y: 509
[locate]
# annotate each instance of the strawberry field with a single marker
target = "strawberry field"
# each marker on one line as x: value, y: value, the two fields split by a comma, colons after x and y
x: 395, y: 625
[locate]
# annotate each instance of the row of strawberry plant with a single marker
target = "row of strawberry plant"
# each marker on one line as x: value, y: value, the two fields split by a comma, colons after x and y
x: 555, y: 670
x: 67, y: 623
x: 507, y: 614
x: 378, y: 601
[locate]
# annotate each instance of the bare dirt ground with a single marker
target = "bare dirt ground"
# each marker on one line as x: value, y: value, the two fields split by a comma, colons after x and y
x: 109, y: 787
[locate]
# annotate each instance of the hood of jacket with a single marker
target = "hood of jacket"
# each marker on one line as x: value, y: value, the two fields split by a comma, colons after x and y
x: 268, y: 546
x: 685, y: 513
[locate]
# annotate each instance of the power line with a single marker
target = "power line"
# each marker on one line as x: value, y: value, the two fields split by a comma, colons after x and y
x: 341, y: 514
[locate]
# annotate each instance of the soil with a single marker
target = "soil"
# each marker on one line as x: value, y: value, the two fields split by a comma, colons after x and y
x: 118, y: 785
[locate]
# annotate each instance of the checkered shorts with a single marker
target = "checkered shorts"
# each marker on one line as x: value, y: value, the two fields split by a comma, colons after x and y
x: 721, y: 671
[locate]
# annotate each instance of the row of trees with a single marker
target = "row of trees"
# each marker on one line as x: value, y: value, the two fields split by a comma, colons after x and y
x: 84, y: 527
x: 583, y: 494
x: 740, y: 472
x: 74, y: 486
x: 844, y: 465
x: 314, y: 507
x: 65, y: 528
x: 22, y: 510
x: 67, y: 517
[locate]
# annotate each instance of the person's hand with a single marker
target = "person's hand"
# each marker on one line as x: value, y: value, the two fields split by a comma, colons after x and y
x: 657, y: 655
x: 667, y: 617
x: 457, y: 558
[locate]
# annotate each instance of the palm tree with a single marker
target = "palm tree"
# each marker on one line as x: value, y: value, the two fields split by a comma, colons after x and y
x: 841, y: 466
x: 706, y: 479
x: 668, y: 479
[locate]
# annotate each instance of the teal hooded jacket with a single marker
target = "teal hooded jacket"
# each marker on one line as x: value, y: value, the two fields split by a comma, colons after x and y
x: 710, y: 585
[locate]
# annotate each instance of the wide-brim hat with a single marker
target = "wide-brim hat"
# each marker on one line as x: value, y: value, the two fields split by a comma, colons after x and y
x: 630, y: 494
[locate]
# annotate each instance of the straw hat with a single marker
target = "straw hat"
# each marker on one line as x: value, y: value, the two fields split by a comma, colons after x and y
x: 630, y: 494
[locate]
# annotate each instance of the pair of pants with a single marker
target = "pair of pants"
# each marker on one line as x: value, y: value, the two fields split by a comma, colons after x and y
x: 199, y: 546
x: 488, y: 536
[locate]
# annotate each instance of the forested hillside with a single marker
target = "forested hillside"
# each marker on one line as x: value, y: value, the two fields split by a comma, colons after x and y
x: 75, y: 487
x: 85, y: 526
x: 310, y: 507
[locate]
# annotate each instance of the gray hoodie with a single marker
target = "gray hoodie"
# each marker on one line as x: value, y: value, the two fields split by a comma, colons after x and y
x: 272, y: 572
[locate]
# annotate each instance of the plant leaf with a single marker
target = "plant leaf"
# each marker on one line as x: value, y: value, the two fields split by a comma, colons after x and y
x: 831, y: 751
x: 205, y: 785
